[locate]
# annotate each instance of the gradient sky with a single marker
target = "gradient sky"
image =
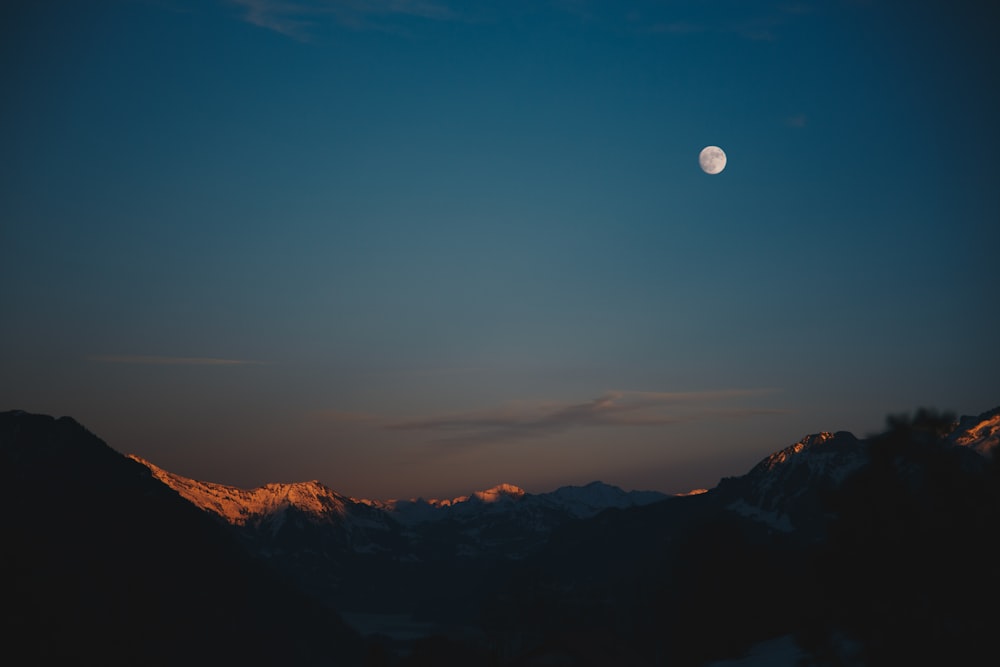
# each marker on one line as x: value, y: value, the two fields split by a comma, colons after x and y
x: 422, y: 247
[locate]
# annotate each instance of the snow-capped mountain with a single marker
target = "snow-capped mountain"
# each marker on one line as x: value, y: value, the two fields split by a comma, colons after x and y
x: 502, y: 520
x: 785, y: 490
x: 854, y: 542
x: 419, y: 510
x: 751, y: 556
x: 372, y: 554
x: 240, y: 506
x: 587, y: 501
x: 580, y: 502
x: 981, y: 433
x: 787, y: 485
x: 266, y: 504
x: 114, y: 568
x: 290, y: 516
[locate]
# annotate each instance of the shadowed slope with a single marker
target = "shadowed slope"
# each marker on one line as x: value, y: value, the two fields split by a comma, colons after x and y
x: 107, y: 565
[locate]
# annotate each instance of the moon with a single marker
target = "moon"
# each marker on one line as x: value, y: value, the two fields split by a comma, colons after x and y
x: 712, y: 159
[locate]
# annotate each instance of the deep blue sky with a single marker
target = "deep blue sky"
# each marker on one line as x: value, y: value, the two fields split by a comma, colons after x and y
x: 419, y: 247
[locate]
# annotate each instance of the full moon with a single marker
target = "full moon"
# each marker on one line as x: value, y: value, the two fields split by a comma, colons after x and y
x: 712, y: 159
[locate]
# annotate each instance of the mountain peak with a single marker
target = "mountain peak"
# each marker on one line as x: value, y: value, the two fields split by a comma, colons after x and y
x: 499, y: 493
x: 240, y: 506
x: 773, y: 491
x: 823, y: 443
x: 586, y: 501
x: 980, y: 433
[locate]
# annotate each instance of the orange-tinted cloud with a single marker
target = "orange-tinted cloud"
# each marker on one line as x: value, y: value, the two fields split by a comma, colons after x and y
x: 151, y: 360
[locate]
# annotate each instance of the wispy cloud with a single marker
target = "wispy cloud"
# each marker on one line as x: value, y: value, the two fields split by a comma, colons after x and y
x: 747, y: 21
x: 148, y: 360
x: 614, y: 408
x: 299, y: 18
x: 798, y: 8
x: 302, y: 19
x: 287, y: 18
x: 798, y: 120
x: 344, y: 417
x: 675, y: 28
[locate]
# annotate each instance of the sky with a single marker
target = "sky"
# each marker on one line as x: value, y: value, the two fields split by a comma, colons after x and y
x: 422, y: 247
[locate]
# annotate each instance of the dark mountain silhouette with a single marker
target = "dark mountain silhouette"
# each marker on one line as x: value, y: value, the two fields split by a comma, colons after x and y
x: 837, y: 550
x: 106, y: 565
x: 911, y: 563
x: 424, y: 558
x: 868, y: 552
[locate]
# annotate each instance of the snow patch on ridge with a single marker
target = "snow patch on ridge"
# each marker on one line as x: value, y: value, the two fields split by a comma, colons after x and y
x: 499, y: 493
x: 267, y: 505
x: 241, y: 506
x: 981, y: 434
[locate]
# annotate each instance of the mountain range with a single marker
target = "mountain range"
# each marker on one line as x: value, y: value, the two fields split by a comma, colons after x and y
x: 117, y: 561
x: 369, y: 526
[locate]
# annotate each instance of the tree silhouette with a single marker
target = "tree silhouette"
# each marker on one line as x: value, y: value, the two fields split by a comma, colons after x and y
x: 912, y: 551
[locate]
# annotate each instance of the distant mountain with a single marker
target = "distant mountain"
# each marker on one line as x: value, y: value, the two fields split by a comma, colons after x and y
x: 273, y: 511
x: 323, y: 539
x: 265, y: 505
x: 980, y: 433
x: 501, y: 520
x: 849, y: 550
x: 835, y: 549
x: 106, y: 565
x: 587, y: 501
x: 786, y: 489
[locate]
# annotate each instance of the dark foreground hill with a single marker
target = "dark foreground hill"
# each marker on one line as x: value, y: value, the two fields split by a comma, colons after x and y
x: 872, y: 552
x: 105, y: 565
x: 837, y: 550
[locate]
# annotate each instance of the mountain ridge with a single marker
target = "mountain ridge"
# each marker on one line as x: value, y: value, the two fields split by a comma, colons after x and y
x: 240, y: 506
x: 113, y: 567
x: 539, y: 564
x: 818, y: 460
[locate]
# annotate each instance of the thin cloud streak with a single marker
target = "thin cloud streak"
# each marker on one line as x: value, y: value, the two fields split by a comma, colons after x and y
x: 277, y: 16
x: 675, y: 28
x: 798, y: 120
x: 148, y: 360
x: 344, y: 417
x: 612, y: 409
x: 297, y: 19
x: 751, y: 22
